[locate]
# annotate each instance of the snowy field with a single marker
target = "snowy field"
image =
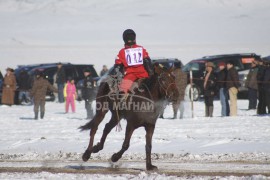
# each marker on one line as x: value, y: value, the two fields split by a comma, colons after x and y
x: 84, y: 31
x: 228, y: 145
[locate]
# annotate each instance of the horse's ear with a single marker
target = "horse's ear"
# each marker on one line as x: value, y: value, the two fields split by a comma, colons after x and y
x: 158, y: 68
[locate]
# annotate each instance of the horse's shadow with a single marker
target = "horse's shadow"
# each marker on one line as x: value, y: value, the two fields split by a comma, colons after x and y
x: 27, y: 118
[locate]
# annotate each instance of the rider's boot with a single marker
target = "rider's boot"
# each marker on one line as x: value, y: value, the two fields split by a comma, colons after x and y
x: 211, y: 108
x: 174, y: 115
x: 36, y: 116
x: 206, y: 111
x: 42, y: 115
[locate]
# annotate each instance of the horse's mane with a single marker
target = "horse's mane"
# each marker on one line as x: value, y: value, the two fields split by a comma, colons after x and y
x: 149, y: 82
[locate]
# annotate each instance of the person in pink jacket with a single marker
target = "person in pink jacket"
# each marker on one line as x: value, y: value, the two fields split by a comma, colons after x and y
x: 70, y: 94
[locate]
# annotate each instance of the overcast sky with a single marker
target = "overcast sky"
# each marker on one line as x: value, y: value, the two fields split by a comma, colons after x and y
x: 83, y: 31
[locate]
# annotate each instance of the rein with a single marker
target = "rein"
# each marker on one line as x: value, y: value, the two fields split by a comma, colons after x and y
x: 166, y: 88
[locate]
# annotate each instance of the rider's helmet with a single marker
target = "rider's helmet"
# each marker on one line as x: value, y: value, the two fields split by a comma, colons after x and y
x: 129, y: 37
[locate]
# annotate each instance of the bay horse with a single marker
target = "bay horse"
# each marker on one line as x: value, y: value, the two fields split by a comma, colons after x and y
x: 142, y: 110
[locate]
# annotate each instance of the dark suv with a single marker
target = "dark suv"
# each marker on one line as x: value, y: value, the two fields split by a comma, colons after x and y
x: 242, y: 64
x: 72, y: 70
x: 166, y: 62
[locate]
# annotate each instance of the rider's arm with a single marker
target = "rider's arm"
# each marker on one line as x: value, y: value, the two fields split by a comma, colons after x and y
x: 148, y: 66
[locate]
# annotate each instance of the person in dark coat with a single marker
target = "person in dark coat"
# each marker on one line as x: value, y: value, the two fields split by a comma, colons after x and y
x: 24, y: 86
x: 88, y: 92
x: 252, y: 85
x: 181, y: 83
x: 261, y: 109
x: 9, y: 87
x: 232, y: 84
x: 223, y: 91
x: 266, y: 86
x: 38, y: 92
x: 209, y: 89
x: 60, y: 81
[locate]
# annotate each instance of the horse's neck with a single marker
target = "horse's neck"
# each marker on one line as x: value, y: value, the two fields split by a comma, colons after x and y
x: 154, y: 88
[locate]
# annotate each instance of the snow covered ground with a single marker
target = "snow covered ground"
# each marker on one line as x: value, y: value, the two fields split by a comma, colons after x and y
x: 199, y: 143
x: 80, y: 31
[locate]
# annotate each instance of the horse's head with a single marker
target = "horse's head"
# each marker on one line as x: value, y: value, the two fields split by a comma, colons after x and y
x: 166, y: 81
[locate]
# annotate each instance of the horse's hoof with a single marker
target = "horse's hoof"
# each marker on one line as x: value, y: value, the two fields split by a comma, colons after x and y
x: 97, y: 148
x: 151, y: 168
x: 115, y: 157
x: 86, y: 155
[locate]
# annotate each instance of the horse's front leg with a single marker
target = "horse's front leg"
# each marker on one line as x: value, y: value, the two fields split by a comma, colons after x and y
x: 148, y: 148
x: 108, y: 127
x: 88, y: 151
x: 129, y: 131
x: 96, y: 121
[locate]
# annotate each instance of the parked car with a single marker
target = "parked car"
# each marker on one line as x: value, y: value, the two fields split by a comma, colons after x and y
x: 267, y: 58
x: 197, y: 66
x: 72, y: 70
x: 49, y: 69
x: 166, y: 62
x: 29, y: 67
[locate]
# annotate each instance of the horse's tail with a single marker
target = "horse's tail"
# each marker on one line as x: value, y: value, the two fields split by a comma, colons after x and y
x: 87, y: 126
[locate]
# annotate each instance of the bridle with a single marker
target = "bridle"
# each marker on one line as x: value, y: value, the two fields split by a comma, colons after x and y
x: 164, y: 86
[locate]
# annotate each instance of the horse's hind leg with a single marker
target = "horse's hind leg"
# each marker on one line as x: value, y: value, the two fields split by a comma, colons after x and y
x: 108, y: 127
x: 148, y: 148
x: 94, y: 126
x: 129, y: 131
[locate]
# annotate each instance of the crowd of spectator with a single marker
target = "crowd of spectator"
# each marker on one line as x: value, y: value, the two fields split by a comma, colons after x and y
x: 33, y: 90
x: 226, y: 84
x: 223, y: 84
